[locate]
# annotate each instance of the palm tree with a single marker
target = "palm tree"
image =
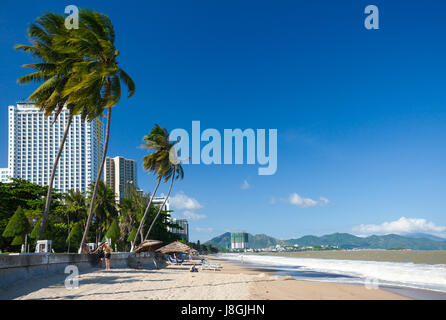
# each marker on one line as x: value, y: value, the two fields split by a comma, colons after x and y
x: 132, y: 209
x: 105, y: 208
x: 75, y: 199
x: 157, y: 140
x: 53, y: 69
x: 139, y: 232
x: 97, y: 79
x: 160, y: 160
x: 75, y: 204
x: 175, y: 173
x: 128, y: 208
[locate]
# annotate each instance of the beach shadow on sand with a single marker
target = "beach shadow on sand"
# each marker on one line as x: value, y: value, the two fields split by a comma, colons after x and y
x: 100, y: 276
x: 24, y: 287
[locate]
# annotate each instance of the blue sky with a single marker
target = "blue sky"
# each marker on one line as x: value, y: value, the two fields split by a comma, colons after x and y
x: 360, y: 114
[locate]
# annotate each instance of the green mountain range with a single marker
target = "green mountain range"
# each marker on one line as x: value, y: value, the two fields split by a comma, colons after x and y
x: 341, y: 240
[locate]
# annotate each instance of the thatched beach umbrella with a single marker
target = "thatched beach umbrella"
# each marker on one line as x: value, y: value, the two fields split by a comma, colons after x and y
x: 174, y: 247
x: 148, y: 245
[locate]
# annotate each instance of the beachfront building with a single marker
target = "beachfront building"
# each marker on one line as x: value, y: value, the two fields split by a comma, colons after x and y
x: 119, y: 172
x: 33, y: 144
x: 239, y: 241
x: 159, y: 201
x: 184, y: 231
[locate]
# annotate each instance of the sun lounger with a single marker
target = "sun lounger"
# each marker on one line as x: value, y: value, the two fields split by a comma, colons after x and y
x: 206, y: 265
x: 172, y: 260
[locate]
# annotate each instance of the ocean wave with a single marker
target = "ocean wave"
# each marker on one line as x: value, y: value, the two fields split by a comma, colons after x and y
x: 420, y: 276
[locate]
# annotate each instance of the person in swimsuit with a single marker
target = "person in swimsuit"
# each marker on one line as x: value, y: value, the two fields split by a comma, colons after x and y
x: 107, y: 255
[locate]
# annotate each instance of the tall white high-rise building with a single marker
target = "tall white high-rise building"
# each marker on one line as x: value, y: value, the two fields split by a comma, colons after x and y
x: 4, y: 175
x: 34, y: 142
x: 118, y: 173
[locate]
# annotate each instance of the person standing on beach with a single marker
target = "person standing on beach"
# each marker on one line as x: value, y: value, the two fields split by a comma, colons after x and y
x: 107, y: 250
x: 100, y: 252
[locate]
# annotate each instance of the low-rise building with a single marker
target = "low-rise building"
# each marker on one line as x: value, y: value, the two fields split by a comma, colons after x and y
x: 184, y: 231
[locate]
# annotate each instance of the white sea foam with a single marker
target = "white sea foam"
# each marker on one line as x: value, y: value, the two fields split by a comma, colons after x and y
x: 421, y: 276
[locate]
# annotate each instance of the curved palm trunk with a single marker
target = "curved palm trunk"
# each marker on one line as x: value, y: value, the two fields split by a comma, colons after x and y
x: 53, y: 174
x: 96, y: 185
x: 144, y: 217
x: 161, y: 208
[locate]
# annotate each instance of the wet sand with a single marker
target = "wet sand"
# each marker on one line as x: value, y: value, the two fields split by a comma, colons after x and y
x: 288, y: 288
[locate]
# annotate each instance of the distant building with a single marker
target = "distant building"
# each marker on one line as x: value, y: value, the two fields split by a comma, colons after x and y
x: 239, y: 241
x: 159, y: 201
x: 34, y: 141
x: 118, y: 174
x: 184, y: 231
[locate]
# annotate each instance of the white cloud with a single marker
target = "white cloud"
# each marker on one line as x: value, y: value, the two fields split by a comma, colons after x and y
x: 245, y: 185
x: 193, y: 215
x: 204, y: 230
x: 297, y: 200
x: 181, y: 201
x: 324, y: 201
x: 402, y: 226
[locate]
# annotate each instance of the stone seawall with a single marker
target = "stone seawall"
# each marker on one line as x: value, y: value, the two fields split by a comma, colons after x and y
x: 16, y: 267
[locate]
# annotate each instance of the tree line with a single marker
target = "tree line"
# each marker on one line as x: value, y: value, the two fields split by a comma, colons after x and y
x: 21, y: 210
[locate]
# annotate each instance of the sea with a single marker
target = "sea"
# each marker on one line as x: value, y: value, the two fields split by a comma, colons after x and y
x: 421, y: 280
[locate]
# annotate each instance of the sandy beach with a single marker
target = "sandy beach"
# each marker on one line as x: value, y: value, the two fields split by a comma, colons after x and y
x: 233, y: 282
